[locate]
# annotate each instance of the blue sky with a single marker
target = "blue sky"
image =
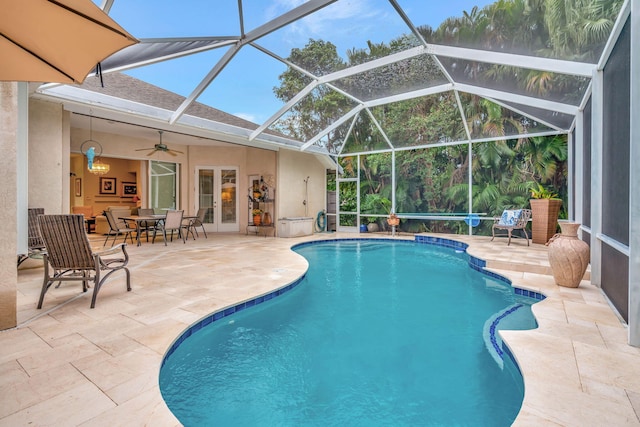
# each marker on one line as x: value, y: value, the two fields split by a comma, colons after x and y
x: 245, y: 86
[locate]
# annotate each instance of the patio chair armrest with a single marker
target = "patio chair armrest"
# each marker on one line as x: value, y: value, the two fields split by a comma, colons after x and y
x: 109, y: 251
x: 120, y: 261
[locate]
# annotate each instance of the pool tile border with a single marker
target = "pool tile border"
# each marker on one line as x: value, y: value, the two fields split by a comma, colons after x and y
x: 475, y: 263
x: 213, y: 317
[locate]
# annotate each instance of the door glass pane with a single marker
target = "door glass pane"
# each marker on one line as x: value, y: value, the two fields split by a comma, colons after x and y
x: 228, y: 195
x: 163, y: 194
x: 205, y: 191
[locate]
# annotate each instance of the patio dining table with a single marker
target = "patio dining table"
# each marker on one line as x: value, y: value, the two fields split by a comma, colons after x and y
x: 139, y: 219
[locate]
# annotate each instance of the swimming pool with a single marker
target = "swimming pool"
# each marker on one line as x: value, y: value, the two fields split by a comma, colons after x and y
x: 377, y: 333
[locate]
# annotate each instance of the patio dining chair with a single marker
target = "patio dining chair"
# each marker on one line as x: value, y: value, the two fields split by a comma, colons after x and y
x: 117, y: 227
x: 69, y: 257
x: 147, y: 226
x: 35, y: 243
x: 172, y: 222
x: 511, y: 220
x: 199, y: 222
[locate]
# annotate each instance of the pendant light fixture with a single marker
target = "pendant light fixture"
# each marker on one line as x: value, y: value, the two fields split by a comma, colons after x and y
x: 94, y: 165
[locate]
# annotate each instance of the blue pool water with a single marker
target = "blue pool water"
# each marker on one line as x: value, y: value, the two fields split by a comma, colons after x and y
x: 386, y: 333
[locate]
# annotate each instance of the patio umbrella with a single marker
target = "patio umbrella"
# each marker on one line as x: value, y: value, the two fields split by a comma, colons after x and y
x: 57, y: 41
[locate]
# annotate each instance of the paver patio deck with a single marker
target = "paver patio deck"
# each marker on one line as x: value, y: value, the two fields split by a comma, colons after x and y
x: 68, y: 365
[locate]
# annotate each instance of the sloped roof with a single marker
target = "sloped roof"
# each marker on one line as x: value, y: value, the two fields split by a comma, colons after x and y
x: 126, y: 87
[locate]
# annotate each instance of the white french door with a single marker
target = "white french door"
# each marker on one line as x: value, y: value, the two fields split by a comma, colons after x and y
x: 217, y: 191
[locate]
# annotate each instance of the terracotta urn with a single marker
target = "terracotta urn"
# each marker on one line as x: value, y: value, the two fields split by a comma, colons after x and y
x: 256, y: 219
x: 568, y: 256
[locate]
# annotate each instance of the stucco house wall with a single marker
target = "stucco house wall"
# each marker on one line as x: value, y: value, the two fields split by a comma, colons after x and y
x: 49, y: 162
x: 293, y: 168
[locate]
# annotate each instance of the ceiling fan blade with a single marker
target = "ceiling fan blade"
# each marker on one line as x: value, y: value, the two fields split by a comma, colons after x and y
x: 144, y: 149
x: 171, y: 152
x: 151, y: 153
x: 177, y: 151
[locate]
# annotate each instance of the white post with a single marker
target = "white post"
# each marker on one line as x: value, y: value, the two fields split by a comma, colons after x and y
x: 634, y: 180
x: 597, y: 114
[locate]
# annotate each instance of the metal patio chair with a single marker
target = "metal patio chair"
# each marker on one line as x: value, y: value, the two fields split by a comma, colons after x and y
x: 198, y: 222
x: 35, y: 243
x: 118, y: 227
x: 147, y: 226
x: 511, y: 220
x: 69, y: 257
x: 172, y: 222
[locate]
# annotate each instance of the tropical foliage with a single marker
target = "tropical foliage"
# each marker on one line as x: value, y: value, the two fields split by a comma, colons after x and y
x: 494, y: 175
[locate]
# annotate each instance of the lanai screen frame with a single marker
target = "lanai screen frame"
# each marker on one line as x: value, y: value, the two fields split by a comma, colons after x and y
x: 164, y: 49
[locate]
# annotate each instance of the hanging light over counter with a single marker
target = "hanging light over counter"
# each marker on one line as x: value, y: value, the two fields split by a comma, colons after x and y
x: 99, y: 168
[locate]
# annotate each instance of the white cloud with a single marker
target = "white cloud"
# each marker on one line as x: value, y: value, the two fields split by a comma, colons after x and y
x: 339, y: 17
x: 278, y: 7
x: 346, y: 23
x: 247, y: 116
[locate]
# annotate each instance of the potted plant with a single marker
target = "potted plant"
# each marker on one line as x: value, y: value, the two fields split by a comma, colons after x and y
x: 370, y: 205
x: 257, y: 218
x: 372, y: 224
x: 545, y: 207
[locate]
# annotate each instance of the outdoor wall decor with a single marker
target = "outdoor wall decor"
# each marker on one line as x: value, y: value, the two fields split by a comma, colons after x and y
x: 107, y: 185
x: 129, y: 189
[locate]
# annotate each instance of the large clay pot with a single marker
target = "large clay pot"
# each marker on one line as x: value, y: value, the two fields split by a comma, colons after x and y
x: 568, y: 256
x: 544, y: 219
x: 256, y: 219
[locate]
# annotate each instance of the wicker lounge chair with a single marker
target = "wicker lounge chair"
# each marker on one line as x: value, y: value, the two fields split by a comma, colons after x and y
x: 69, y: 256
x: 512, y: 219
x: 36, y: 245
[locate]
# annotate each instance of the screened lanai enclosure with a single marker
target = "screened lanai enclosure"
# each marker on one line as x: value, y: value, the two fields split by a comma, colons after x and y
x: 433, y: 110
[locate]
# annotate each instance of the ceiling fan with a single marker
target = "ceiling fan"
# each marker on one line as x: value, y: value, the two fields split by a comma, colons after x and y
x: 160, y: 147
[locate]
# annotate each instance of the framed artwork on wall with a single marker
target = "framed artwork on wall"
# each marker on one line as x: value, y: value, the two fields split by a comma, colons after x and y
x: 78, y: 187
x: 107, y: 185
x: 129, y: 189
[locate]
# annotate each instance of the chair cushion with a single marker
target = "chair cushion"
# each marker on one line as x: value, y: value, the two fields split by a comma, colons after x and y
x: 510, y: 217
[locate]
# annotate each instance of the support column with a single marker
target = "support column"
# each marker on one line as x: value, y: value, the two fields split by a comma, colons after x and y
x: 8, y: 197
x: 634, y: 180
x: 577, y: 159
x: 597, y: 114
